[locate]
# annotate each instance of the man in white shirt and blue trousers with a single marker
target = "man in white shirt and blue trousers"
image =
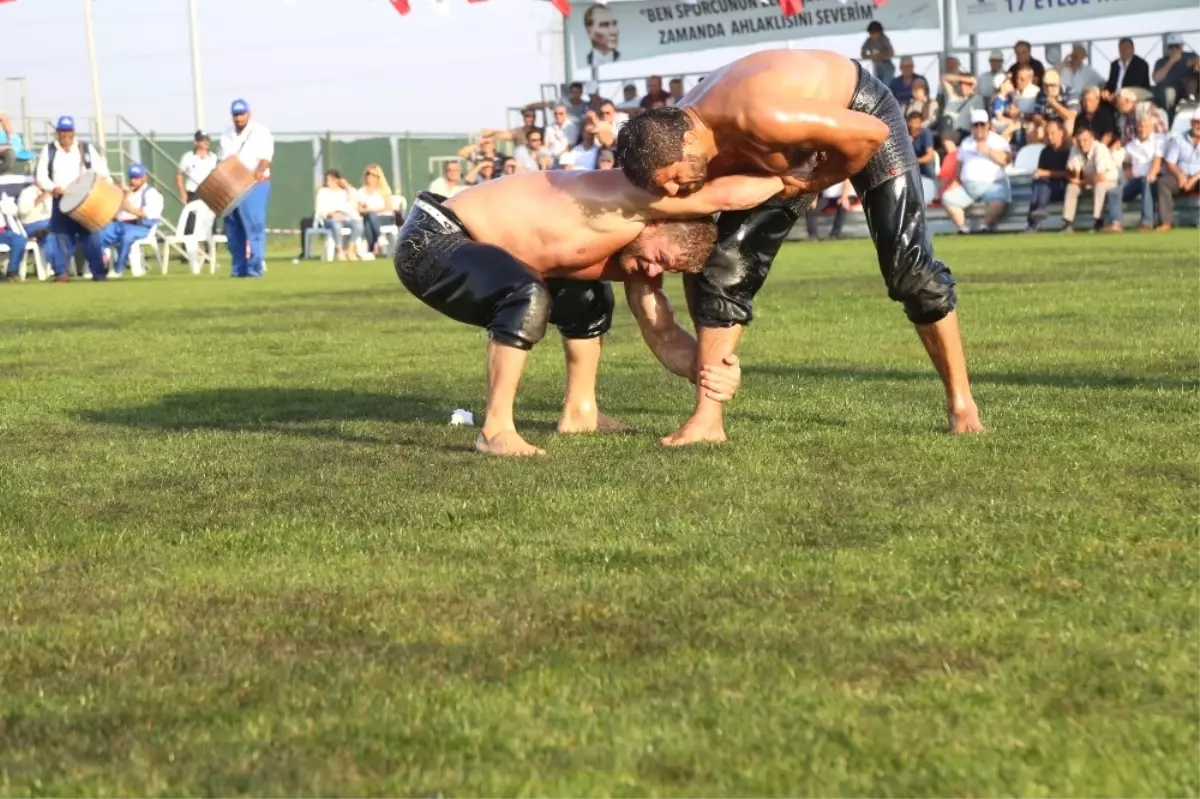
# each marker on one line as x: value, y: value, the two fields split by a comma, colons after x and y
x: 141, y: 211
x: 58, y: 165
x: 246, y: 227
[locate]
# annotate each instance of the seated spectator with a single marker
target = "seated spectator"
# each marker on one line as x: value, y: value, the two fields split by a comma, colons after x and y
x: 376, y: 206
x: 1181, y: 171
x: 1019, y: 107
x: 510, y: 167
x: 527, y: 154
x: 450, y: 183
x: 14, y: 241
x: 1053, y: 102
x: 1024, y: 53
x: 841, y: 197
x: 901, y: 85
x: 948, y: 174
x: 956, y: 97
x: 1129, y: 71
x: 675, y: 91
x: 34, y: 208
x: 1126, y: 115
x: 575, y: 102
x: 655, y: 96
x: 545, y: 162
x: 518, y: 134
x: 922, y: 142
x: 1091, y: 166
x: 630, y: 100
x: 480, y: 172
x: 877, y: 48
x: 1175, y: 75
x: 921, y: 103
x: 606, y: 159
x: 607, y: 124
x: 1050, y: 177
x: 1075, y: 72
x: 981, y: 176
x: 1143, y: 161
x: 561, y: 133
x: 1094, y: 116
x: 991, y: 79
x: 585, y: 154
x: 141, y: 211
x: 484, y: 150
x: 335, y: 209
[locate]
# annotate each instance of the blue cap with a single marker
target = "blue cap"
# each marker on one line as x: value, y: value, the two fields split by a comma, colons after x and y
x: 65, y: 123
x: 137, y: 171
x: 239, y: 107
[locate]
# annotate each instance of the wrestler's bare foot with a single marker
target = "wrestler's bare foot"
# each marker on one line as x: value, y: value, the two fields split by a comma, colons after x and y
x: 696, y: 431
x: 506, y: 443
x: 964, y: 419
x: 589, y: 420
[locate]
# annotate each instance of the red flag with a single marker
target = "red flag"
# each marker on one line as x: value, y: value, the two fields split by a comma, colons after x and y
x: 401, y: 6
x: 791, y: 7
x: 563, y: 6
x: 474, y: 1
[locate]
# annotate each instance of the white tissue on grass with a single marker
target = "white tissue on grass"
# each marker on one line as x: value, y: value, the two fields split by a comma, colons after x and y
x: 462, y: 417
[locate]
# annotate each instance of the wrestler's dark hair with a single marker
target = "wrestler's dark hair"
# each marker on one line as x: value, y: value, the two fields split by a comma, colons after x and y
x: 649, y: 141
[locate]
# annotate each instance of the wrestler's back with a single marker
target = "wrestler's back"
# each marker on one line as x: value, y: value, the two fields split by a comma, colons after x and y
x: 774, y: 79
x: 552, y: 221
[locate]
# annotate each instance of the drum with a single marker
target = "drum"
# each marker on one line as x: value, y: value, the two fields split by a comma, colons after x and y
x: 225, y: 188
x: 92, y: 201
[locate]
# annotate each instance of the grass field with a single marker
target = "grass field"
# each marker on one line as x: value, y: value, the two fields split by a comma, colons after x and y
x: 242, y: 551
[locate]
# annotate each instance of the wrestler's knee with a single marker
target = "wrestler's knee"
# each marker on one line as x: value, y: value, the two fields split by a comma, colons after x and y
x: 581, y: 308
x: 520, y: 318
x: 924, y: 285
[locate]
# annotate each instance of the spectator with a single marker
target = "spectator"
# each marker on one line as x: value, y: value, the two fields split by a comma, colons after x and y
x: 480, y: 172
x: 654, y: 93
x: 606, y: 159
x: 1128, y: 71
x: 545, y: 162
x: 141, y: 211
x: 991, y: 80
x: 1054, y: 101
x: 1173, y: 73
x: 574, y: 101
x: 1019, y: 106
x: 451, y: 182
x: 562, y: 133
x: 1091, y: 166
x: 1126, y: 116
x: 518, y: 134
x: 922, y: 142
x: 194, y: 167
x: 510, y: 167
x: 585, y: 154
x: 921, y: 103
x: 1075, y: 72
x: 1098, y: 118
x: 607, y: 125
x: 1050, y: 177
x: 901, y: 85
x: 335, y: 209
x: 8, y: 155
x: 878, y: 50
x: 1181, y: 175
x: 376, y: 205
x: 675, y: 91
x: 956, y: 97
x: 485, y: 150
x: 981, y: 176
x: 1024, y: 53
x: 948, y: 174
x: 1143, y: 161
x: 840, y: 197
x: 14, y: 241
x: 595, y: 101
x: 527, y: 154
x: 34, y: 207
x: 630, y: 101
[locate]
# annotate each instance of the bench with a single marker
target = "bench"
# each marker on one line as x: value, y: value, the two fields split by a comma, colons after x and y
x: 1187, y: 214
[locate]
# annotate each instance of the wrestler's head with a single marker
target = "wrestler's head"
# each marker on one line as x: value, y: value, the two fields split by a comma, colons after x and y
x: 659, y: 151
x: 680, y: 245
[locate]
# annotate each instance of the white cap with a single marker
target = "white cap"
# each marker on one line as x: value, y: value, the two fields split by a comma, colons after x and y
x: 996, y: 55
x: 1174, y: 39
x: 978, y: 116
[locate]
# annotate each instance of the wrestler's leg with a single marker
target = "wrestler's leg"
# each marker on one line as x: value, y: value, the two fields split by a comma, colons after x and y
x: 582, y: 311
x: 499, y: 435
x: 895, y: 213
x: 721, y: 299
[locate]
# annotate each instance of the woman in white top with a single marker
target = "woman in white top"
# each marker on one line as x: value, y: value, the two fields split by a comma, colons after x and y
x: 335, y: 209
x: 375, y: 205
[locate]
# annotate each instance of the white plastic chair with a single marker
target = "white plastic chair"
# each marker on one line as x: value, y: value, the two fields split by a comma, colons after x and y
x: 929, y: 190
x: 202, y: 233
x: 330, y: 246
x: 31, y: 248
x: 136, y: 265
x: 1027, y: 160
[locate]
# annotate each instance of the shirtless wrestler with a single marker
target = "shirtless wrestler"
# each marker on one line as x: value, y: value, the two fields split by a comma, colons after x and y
x: 505, y: 255
x: 814, y: 118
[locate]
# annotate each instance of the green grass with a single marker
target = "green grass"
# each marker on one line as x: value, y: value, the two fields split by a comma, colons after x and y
x: 242, y: 551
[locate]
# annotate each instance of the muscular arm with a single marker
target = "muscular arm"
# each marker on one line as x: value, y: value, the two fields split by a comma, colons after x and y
x: 673, y: 346
x: 729, y: 193
x: 820, y: 126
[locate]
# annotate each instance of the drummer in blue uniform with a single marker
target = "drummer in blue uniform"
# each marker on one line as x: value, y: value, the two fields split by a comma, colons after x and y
x: 140, y: 212
x: 246, y: 226
x: 58, y: 165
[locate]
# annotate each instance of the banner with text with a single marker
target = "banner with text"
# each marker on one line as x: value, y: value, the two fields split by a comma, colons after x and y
x: 984, y: 16
x: 627, y: 31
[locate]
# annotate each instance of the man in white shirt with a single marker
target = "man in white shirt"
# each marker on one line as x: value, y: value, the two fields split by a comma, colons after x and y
x: 981, y: 176
x: 139, y: 214
x: 58, y: 165
x: 1075, y: 72
x: 450, y: 183
x: 1181, y: 171
x: 1091, y: 165
x: 561, y: 134
x: 246, y: 227
x: 1143, y: 161
x: 34, y: 207
x: 990, y: 80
